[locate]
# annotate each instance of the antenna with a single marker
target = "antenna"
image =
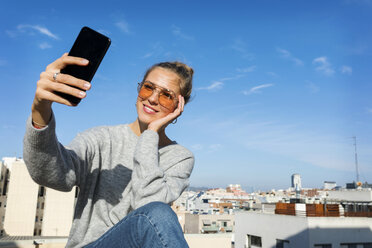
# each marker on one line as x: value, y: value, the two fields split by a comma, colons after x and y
x: 356, y: 160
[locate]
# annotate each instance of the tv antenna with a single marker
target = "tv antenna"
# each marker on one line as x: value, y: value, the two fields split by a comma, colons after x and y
x: 356, y: 160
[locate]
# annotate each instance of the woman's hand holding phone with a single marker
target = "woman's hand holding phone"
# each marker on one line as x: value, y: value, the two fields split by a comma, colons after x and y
x: 47, y: 87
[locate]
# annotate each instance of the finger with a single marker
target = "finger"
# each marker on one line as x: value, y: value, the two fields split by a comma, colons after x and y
x: 182, y: 103
x: 65, y: 60
x: 52, y: 87
x: 50, y: 96
x: 69, y: 80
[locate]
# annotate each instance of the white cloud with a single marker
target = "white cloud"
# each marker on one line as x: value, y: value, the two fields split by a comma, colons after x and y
x: 104, y: 32
x: 313, y: 87
x: 346, y: 70
x: 40, y: 29
x: 197, y: 147
x: 45, y: 45
x: 11, y: 34
x: 214, y: 147
x: 230, y: 78
x: 214, y: 86
x: 323, y: 66
x: 123, y: 26
x: 147, y: 55
x: 240, y: 47
x: 286, y: 54
x: 273, y: 74
x: 206, y: 148
x: 157, y: 50
x: 177, y: 32
x: 247, y: 69
x: 257, y: 89
x: 218, y: 84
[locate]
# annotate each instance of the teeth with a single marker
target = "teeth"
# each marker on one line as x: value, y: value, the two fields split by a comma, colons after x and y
x: 149, y: 109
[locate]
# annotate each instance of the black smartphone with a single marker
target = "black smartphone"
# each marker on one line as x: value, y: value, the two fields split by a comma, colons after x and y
x: 92, y: 46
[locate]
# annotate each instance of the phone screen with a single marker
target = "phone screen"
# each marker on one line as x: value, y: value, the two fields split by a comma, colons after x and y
x: 92, y: 46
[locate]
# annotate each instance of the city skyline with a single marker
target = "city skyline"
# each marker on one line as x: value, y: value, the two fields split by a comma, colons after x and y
x: 279, y: 88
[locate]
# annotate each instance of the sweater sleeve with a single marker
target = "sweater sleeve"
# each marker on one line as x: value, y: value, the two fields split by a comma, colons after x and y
x: 49, y: 162
x: 159, y: 178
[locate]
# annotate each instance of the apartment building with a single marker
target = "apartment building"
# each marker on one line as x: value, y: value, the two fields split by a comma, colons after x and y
x: 27, y: 209
x: 305, y: 226
x: 207, y: 223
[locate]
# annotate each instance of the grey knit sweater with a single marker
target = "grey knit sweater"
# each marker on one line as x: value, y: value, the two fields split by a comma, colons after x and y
x: 116, y: 171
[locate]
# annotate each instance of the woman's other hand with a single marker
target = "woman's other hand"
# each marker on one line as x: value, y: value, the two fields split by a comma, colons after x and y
x: 160, y: 124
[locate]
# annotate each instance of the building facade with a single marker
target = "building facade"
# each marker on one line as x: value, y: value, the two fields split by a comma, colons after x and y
x: 27, y: 209
x: 294, y: 228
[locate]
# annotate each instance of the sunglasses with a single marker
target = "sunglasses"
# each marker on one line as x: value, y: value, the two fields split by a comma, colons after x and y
x: 166, y: 98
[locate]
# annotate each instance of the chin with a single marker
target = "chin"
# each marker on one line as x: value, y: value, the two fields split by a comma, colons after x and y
x: 146, y: 118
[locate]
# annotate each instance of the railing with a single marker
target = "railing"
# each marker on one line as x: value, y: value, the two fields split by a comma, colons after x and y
x: 321, y: 210
x: 358, y: 214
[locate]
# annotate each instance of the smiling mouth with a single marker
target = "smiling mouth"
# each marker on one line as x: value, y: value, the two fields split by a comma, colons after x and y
x: 148, y: 109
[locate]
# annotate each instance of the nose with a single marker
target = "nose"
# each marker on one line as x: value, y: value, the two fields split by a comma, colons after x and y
x: 154, y: 98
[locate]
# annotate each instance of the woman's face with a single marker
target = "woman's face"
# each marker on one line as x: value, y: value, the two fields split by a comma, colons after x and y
x: 149, y: 109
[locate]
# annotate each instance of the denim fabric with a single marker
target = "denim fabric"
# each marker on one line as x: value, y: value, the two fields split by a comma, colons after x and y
x: 154, y: 225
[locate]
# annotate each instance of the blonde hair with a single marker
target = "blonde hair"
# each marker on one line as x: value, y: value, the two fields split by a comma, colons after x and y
x: 183, y: 71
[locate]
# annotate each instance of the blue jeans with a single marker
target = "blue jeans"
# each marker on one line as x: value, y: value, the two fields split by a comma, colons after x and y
x: 153, y: 225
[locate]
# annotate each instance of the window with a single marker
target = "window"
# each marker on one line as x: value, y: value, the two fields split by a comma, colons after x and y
x: 282, y: 243
x: 42, y: 205
x: 41, y: 191
x: 39, y: 232
x: 36, y: 219
x: 1, y: 232
x: 356, y: 245
x: 253, y: 241
x: 323, y: 246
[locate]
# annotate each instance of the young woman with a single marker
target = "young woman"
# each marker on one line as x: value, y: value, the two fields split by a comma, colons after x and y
x: 127, y: 174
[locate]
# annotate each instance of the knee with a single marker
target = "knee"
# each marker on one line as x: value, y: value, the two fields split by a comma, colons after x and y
x: 161, y: 211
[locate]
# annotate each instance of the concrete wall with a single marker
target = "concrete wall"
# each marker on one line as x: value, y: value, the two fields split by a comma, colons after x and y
x: 302, y: 232
x: 21, y: 201
x: 351, y: 195
x: 191, y: 223
x: 271, y: 227
x: 58, y: 212
x: 209, y: 240
x: 333, y: 230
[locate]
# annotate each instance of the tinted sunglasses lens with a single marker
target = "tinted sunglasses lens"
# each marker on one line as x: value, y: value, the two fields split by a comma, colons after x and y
x: 166, y: 100
x: 146, y: 90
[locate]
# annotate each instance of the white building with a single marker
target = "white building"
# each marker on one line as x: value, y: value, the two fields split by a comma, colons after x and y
x: 27, y: 209
x: 253, y: 229
x: 296, y: 181
x: 329, y: 185
x: 351, y: 195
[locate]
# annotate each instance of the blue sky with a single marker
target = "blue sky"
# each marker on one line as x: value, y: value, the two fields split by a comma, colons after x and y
x: 280, y: 87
